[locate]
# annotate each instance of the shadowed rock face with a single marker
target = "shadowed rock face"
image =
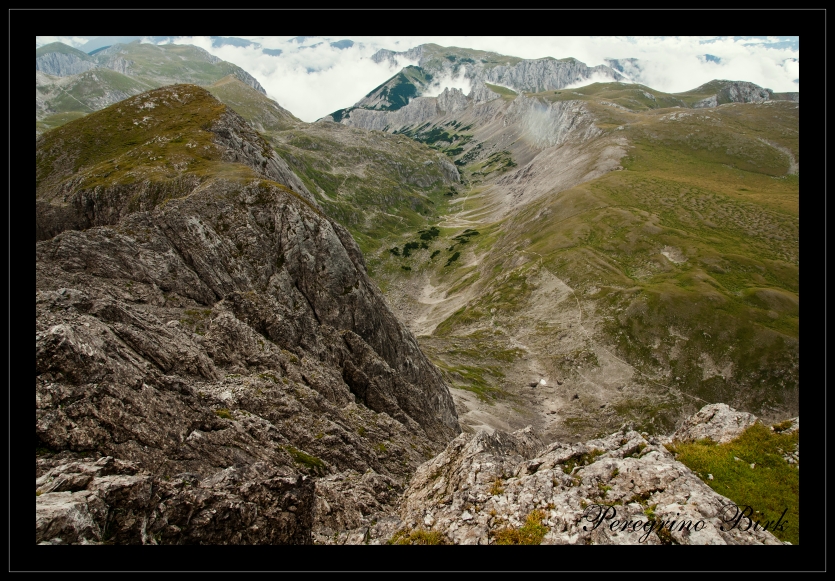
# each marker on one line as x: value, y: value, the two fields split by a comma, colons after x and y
x: 229, y: 338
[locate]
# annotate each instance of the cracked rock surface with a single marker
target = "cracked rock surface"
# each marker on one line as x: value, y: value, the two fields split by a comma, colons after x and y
x: 200, y: 363
x: 603, y: 491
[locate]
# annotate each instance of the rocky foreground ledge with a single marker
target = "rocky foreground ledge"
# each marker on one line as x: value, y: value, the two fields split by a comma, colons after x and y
x: 626, y: 488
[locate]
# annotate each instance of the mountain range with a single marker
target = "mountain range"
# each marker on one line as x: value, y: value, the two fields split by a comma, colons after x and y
x: 251, y: 329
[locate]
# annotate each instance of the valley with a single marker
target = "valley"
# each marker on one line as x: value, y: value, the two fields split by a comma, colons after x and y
x: 339, y: 312
x: 635, y: 261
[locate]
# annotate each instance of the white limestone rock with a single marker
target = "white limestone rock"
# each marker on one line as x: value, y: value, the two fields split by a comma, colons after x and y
x: 718, y: 421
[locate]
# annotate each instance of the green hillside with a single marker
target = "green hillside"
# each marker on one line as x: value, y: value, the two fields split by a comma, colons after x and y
x: 61, y: 48
x: 146, y: 138
x: 148, y: 66
x: 262, y: 112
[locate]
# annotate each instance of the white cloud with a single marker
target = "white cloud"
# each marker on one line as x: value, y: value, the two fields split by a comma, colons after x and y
x: 73, y: 41
x: 438, y: 85
x: 309, y: 81
x: 312, y: 81
x: 595, y: 78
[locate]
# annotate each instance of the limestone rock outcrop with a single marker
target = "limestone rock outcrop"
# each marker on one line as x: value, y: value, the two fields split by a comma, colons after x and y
x: 717, y: 422
x: 603, y: 491
x: 60, y: 64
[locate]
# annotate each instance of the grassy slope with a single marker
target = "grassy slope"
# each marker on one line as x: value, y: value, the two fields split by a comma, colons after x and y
x: 77, y: 95
x: 770, y: 488
x: 151, y: 67
x: 375, y: 184
x: 703, y: 186
x: 638, y: 97
x: 707, y: 187
x: 261, y: 111
x: 172, y: 63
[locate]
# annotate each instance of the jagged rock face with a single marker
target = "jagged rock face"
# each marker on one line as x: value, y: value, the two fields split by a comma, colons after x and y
x: 62, y: 65
x: 115, y: 502
x: 449, y: 169
x: 543, y: 74
x: 484, y: 483
x: 417, y: 112
x: 481, y: 94
x: 248, y: 79
x: 532, y: 75
x: 712, y: 101
x: 452, y: 100
x: 742, y: 92
x: 525, y: 75
x: 542, y: 125
x: 118, y: 64
x: 232, y: 328
x: 717, y: 422
x: 736, y: 92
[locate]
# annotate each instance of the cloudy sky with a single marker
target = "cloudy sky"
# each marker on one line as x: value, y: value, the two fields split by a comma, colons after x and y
x: 313, y: 76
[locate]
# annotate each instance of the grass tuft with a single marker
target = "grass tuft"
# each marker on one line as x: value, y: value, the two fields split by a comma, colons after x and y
x: 531, y: 533
x: 417, y: 537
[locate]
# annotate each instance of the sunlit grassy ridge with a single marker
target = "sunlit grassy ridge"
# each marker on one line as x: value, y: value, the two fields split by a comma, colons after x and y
x: 434, y: 55
x: 158, y: 134
x: 172, y: 63
x: 637, y: 97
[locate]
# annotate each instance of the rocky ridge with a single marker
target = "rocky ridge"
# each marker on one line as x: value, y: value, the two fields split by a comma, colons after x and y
x: 202, y: 357
x: 64, y: 61
x: 534, y: 75
x: 62, y: 64
x: 738, y: 92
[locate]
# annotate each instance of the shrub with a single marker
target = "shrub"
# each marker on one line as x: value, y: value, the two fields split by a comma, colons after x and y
x: 452, y: 259
x: 408, y: 247
x: 497, y: 488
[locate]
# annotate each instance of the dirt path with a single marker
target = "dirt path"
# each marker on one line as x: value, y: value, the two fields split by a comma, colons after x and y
x: 794, y: 167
